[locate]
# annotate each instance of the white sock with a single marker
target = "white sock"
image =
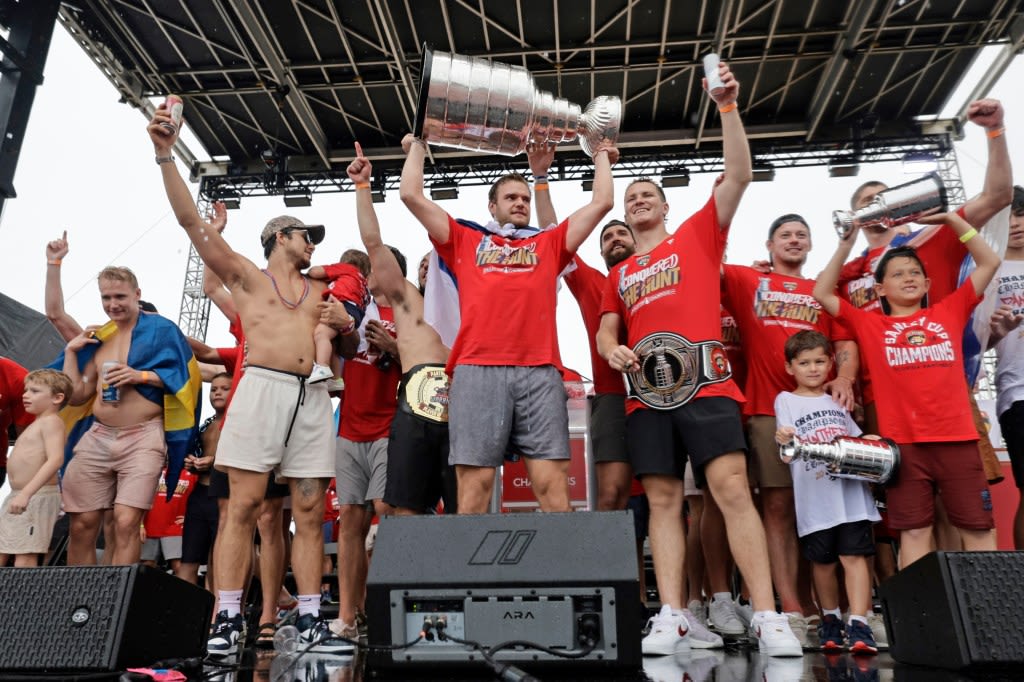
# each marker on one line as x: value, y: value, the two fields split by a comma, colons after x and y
x: 832, y: 612
x: 230, y: 601
x: 309, y: 603
x: 722, y: 596
x: 859, y: 619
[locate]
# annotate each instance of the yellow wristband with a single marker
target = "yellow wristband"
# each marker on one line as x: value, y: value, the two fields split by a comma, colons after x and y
x: 55, y: 261
x: 968, y: 235
x: 362, y: 185
x: 992, y: 134
x: 727, y: 108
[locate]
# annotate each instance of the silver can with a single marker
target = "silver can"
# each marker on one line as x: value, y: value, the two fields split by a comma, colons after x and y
x: 108, y: 393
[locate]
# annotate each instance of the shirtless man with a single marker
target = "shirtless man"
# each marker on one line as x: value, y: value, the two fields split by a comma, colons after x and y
x: 277, y: 422
x: 417, y: 448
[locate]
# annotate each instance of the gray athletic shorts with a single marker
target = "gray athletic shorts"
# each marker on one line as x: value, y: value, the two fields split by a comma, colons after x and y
x: 360, y: 470
x: 504, y: 409
x: 168, y: 547
x: 608, y: 427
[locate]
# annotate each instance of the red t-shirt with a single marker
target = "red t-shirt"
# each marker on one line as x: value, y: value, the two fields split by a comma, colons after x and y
x: 162, y: 518
x: 12, y: 410
x: 346, y: 283
x: 507, y: 295
x: 233, y: 361
x: 372, y: 393
x: 733, y: 347
x: 587, y: 286
x: 674, y: 288
x: 770, y: 308
x: 942, y: 253
x: 917, y: 365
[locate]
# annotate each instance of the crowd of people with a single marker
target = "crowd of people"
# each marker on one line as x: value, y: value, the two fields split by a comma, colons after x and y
x: 763, y: 354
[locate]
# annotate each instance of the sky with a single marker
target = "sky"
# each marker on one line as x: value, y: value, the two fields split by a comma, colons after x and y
x: 87, y: 167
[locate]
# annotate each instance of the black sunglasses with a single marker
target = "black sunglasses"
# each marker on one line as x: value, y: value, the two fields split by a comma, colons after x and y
x: 304, y: 231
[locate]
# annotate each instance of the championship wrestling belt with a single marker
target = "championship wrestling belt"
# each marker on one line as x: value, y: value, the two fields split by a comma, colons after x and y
x: 673, y: 369
x: 425, y: 393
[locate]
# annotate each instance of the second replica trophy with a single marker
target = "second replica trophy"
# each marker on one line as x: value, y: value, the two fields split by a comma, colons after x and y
x: 895, y: 206
x: 486, y: 106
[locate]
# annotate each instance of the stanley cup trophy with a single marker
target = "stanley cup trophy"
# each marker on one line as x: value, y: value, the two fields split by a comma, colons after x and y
x: 895, y: 206
x: 861, y: 459
x: 486, y: 106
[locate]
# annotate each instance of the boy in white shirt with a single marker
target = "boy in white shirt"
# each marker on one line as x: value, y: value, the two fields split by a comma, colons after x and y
x: 834, y: 516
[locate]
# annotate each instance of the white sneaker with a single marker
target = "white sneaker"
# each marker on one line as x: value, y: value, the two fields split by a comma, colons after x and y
x: 773, y: 634
x: 780, y: 669
x: 877, y: 624
x: 700, y: 637
x: 665, y: 668
x: 798, y: 625
x: 813, y: 621
x: 319, y: 373
x: 723, y: 619
x: 700, y: 612
x: 668, y: 635
x: 745, y: 612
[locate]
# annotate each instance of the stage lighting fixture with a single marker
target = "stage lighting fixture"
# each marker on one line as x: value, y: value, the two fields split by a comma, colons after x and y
x: 377, y: 186
x: 763, y: 173
x: 843, y: 167
x: 918, y: 163
x: 229, y: 197
x: 299, y: 198
x: 444, y: 189
x: 232, y: 203
x: 588, y: 182
x: 675, y: 177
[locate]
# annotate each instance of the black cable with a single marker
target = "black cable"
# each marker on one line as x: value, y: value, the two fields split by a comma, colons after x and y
x: 578, y: 653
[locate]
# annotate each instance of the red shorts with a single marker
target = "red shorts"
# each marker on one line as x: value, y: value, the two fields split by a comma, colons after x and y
x: 954, y: 471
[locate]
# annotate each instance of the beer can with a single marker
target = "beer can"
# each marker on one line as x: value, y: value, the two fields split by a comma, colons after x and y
x: 108, y: 393
x: 174, y: 106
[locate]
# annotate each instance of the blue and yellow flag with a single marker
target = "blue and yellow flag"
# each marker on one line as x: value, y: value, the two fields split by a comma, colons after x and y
x: 157, y: 346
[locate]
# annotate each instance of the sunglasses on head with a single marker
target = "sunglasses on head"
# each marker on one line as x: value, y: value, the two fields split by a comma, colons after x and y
x: 305, y: 233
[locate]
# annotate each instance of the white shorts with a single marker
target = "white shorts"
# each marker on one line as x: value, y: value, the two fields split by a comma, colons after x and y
x: 690, y: 488
x: 277, y: 422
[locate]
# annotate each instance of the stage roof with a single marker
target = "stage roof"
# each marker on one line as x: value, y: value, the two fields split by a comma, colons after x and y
x: 304, y: 79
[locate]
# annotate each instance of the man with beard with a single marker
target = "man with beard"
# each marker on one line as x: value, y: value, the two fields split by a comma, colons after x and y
x: 770, y: 308
x: 278, y: 422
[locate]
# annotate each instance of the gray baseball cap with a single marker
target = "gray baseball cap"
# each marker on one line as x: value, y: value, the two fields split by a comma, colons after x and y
x: 284, y: 222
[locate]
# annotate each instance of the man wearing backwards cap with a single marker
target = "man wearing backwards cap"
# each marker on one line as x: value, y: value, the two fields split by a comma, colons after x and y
x: 278, y: 423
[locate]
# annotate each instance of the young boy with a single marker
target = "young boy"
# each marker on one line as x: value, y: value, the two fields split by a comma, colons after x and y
x: 346, y: 283
x: 29, y: 512
x: 833, y: 515
x: 913, y: 353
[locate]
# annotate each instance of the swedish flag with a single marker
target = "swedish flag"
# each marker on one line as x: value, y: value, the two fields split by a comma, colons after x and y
x: 157, y: 346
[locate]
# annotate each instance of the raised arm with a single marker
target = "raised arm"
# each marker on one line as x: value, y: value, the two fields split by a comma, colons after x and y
x: 84, y: 382
x: 997, y: 192
x: 825, y: 285
x: 212, y: 248
x: 385, y: 268
x: 602, y: 198
x: 986, y: 261
x: 540, y: 158
x: 430, y: 215
x: 66, y: 325
x: 735, y: 150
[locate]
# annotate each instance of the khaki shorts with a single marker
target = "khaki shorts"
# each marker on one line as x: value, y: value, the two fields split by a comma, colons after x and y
x: 277, y: 422
x: 115, y: 465
x: 30, y: 531
x: 766, y: 469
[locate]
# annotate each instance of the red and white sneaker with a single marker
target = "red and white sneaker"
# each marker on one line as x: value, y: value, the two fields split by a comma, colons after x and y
x: 669, y: 634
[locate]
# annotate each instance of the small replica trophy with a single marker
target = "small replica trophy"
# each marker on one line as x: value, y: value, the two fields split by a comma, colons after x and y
x: 895, y: 206
x: 861, y: 459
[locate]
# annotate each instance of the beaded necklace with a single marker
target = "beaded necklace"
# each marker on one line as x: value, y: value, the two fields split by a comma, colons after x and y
x: 284, y: 301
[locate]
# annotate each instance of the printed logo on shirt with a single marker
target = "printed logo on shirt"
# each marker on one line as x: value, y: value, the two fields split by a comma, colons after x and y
x: 820, y: 426
x: 861, y: 293
x: 1011, y: 292
x: 918, y: 343
x: 730, y: 332
x: 785, y: 308
x: 656, y: 279
x: 506, y: 257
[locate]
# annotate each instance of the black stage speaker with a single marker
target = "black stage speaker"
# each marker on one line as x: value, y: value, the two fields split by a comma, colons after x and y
x: 99, y: 618
x: 957, y: 610
x: 551, y: 579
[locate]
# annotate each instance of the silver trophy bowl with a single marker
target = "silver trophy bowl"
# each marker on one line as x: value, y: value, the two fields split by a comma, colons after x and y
x: 896, y: 206
x: 480, y: 105
x: 861, y: 459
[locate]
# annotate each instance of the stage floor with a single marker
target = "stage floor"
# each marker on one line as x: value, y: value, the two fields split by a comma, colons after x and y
x: 733, y: 664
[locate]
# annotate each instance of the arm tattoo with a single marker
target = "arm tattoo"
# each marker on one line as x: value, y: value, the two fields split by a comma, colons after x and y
x: 841, y: 358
